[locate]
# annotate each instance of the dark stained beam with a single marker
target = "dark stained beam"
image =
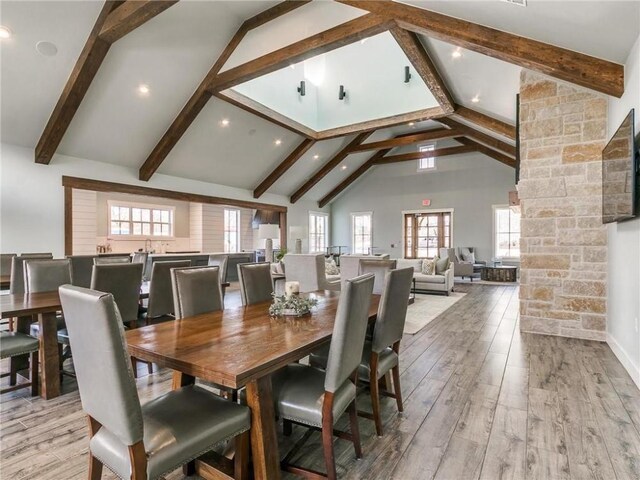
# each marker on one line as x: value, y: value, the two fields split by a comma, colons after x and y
x: 336, y: 37
x: 201, y: 96
x: 285, y: 165
x: 327, y: 167
x: 352, y: 178
x: 485, y: 121
x: 479, y: 136
x: 433, y: 134
x: 578, y: 68
x: 419, y: 58
x: 438, y: 152
x: 501, y: 157
x: 130, y: 16
x: 94, y: 51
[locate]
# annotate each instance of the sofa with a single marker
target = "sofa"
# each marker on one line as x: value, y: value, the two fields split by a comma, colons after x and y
x: 309, y: 270
x: 429, y: 283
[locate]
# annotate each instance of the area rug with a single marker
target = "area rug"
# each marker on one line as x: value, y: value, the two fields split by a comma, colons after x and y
x: 426, y: 308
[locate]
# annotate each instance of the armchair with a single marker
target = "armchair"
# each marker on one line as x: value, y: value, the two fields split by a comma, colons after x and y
x: 309, y: 270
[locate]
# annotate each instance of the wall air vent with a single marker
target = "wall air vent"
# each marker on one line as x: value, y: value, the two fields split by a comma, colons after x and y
x: 521, y: 3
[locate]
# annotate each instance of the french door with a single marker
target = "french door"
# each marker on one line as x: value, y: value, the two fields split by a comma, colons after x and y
x: 426, y: 233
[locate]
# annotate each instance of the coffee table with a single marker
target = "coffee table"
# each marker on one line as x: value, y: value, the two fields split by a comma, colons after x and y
x: 501, y: 273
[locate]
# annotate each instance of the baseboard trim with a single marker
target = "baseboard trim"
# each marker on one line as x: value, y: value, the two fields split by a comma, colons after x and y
x: 627, y: 363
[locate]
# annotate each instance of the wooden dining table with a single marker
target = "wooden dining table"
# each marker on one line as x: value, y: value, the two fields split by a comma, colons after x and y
x: 240, y: 347
x: 5, y: 281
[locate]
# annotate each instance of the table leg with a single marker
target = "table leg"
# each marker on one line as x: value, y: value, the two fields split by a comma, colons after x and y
x: 182, y: 380
x: 264, y: 444
x: 49, y: 357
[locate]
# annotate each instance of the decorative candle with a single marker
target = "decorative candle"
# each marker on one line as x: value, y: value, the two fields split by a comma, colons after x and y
x: 291, y: 288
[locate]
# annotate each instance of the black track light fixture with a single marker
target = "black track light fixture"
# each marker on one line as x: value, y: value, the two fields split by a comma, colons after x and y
x: 302, y: 89
x: 342, y: 93
x: 407, y: 74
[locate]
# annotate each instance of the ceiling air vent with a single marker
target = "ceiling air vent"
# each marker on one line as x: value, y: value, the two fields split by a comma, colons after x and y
x: 521, y: 3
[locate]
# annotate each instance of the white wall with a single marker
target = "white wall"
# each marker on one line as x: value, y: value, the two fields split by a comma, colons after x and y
x: 623, y: 299
x: 470, y: 184
x: 32, y: 196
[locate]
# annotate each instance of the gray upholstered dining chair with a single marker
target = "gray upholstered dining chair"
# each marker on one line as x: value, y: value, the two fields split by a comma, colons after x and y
x: 81, y: 268
x: 315, y: 398
x: 140, y: 441
x: 380, y: 354
x: 17, y: 271
x: 14, y: 344
x: 141, y: 257
x: 5, y: 263
x: 379, y: 268
x: 108, y: 260
x: 196, y: 290
x: 220, y: 260
x: 256, y: 284
x: 160, y: 291
x: 37, y: 255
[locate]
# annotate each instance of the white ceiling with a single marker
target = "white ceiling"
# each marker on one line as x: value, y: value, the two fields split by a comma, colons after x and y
x: 172, y: 53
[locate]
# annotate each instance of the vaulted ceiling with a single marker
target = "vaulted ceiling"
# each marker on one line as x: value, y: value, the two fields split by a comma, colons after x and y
x: 175, y: 46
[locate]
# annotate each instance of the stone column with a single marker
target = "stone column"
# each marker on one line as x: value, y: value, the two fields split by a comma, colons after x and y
x: 563, y: 242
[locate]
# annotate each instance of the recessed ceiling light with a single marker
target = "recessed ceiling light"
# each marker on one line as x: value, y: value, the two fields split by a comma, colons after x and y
x: 344, y: 167
x: 46, y: 49
x: 143, y: 89
x: 362, y: 41
x: 277, y: 141
x: 475, y: 99
x: 224, y: 122
x: 315, y: 157
x: 457, y: 53
x: 411, y: 124
x: 5, y: 32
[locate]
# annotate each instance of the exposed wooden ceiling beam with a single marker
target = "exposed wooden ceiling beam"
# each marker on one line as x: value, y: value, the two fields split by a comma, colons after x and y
x: 285, y: 165
x: 438, y: 152
x: 578, y: 68
x: 129, y: 16
x: 352, y: 178
x: 201, y: 96
x: 479, y: 136
x: 336, y: 37
x: 485, y: 121
x: 409, y: 139
x: 501, y: 157
x: 330, y: 165
x: 419, y: 58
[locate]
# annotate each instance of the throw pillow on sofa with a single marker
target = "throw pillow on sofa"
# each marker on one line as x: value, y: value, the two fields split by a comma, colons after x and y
x: 469, y: 257
x: 442, y: 265
x: 330, y: 267
x: 429, y: 266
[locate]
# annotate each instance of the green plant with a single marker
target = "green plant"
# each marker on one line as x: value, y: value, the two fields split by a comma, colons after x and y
x: 280, y: 255
x: 291, y: 305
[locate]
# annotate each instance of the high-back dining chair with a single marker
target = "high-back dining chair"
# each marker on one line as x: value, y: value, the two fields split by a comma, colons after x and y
x: 123, y: 282
x: 141, y: 257
x: 140, y: 441
x: 5, y: 263
x: 44, y: 275
x: 37, y: 255
x: 381, y: 354
x: 196, y: 290
x: 81, y: 268
x: 379, y: 268
x: 160, y: 291
x: 111, y: 260
x: 256, y: 284
x: 17, y: 271
x: 315, y: 398
x: 220, y: 261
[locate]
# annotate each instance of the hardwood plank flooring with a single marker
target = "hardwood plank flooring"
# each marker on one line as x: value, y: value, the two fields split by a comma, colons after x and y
x: 482, y: 401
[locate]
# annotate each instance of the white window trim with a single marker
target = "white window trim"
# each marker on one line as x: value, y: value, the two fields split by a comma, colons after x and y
x: 239, y: 226
x: 118, y: 203
x: 327, y: 233
x: 435, y: 163
x: 494, y: 236
x: 353, y: 214
x: 424, y: 210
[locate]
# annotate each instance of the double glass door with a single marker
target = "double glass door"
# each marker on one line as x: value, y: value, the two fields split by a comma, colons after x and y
x: 426, y: 233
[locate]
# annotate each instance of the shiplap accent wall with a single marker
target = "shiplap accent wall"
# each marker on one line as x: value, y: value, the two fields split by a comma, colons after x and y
x: 206, y: 224
x: 85, y: 226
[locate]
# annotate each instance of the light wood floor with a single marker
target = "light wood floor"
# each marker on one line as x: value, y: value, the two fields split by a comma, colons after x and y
x: 482, y: 401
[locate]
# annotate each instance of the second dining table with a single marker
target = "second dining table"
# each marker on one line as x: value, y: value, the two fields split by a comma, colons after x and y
x: 241, y: 347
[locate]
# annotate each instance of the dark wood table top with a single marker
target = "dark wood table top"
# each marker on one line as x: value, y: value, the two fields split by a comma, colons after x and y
x: 23, y: 304
x: 5, y: 280
x: 237, y: 345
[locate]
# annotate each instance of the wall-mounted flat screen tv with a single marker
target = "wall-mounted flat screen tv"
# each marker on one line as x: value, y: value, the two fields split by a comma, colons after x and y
x: 620, y: 174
